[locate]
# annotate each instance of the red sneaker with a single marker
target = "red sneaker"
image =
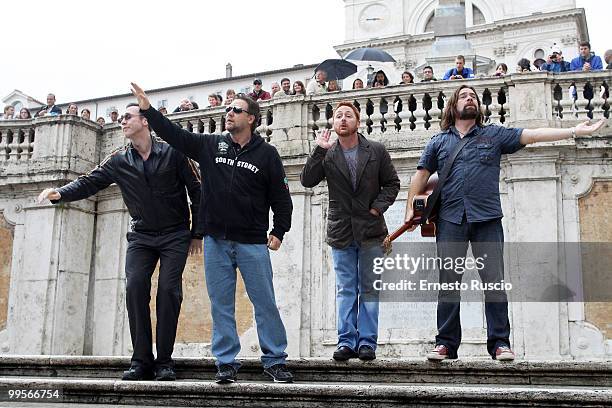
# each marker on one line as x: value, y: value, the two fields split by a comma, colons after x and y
x: 440, y: 352
x: 504, y: 353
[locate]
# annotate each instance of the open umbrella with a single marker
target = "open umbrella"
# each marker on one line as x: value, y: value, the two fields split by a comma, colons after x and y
x: 337, y: 68
x: 369, y: 54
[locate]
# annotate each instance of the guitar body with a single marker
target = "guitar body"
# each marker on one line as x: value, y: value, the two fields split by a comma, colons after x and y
x: 419, y: 203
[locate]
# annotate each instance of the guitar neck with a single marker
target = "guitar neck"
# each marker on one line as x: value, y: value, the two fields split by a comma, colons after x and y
x: 403, y: 228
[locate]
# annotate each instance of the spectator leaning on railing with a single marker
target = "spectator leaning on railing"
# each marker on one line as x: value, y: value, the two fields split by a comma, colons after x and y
x: 357, y: 84
x: 428, y: 74
x: 86, y: 114
x: 258, y: 93
x: 407, y: 78
x: 73, y: 109
x: 608, y: 59
x: 587, y: 60
x: 460, y: 71
x: 523, y: 65
x: 24, y: 113
x: 9, y: 112
x: 298, y: 88
x: 318, y: 85
x: 555, y: 61
x: 501, y: 70
x: 51, y: 108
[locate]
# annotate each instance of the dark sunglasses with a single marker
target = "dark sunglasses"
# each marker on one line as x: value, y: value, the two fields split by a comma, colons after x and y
x: 128, y: 116
x: 237, y: 110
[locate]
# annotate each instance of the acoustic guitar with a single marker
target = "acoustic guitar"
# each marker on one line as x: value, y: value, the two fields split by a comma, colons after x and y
x: 419, y: 203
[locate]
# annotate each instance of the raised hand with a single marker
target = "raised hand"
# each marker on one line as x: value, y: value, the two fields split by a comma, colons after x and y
x: 585, y: 129
x: 323, y: 139
x: 139, y: 93
x: 48, y: 193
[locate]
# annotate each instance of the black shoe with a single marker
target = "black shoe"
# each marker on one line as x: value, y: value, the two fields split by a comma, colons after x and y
x: 165, y: 374
x: 279, y: 373
x: 343, y: 353
x: 225, y: 374
x: 366, y: 353
x: 137, y: 373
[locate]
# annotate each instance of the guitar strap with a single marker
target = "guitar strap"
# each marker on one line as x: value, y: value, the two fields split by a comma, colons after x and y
x: 432, y: 201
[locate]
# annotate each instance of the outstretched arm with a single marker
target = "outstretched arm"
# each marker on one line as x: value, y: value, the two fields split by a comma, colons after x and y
x: 188, y: 143
x: 553, y: 134
x: 83, y: 187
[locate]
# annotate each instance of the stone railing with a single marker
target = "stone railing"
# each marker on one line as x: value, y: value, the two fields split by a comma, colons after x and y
x: 400, y: 116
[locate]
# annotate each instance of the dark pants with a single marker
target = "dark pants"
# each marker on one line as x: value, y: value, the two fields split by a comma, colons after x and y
x: 143, y: 252
x: 452, y: 241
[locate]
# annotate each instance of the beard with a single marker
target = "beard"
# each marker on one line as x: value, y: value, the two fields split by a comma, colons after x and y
x: 468, y: 112
x: 347, y: 131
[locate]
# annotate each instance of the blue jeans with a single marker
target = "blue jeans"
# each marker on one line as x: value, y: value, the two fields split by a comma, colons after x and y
x: 452, y: 241
x: 356, y: 299
x: 221, y: 258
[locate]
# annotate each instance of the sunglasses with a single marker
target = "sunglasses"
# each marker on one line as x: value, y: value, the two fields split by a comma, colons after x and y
x: 128, y: 116
x: 237, y: 110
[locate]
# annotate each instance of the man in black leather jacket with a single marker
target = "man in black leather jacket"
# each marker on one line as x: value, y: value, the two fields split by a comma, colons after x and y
x: 152, y: 177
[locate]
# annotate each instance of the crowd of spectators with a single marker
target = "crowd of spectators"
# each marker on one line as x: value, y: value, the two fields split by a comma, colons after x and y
x: 586, y: 61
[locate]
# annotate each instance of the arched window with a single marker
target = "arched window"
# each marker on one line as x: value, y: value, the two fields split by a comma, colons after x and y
x: 477, y: 18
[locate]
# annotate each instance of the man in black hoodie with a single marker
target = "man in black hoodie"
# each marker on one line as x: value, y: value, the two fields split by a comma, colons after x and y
x: 244, y: 178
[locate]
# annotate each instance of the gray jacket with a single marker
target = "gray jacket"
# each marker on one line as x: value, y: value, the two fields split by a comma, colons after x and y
x: 349, y: 217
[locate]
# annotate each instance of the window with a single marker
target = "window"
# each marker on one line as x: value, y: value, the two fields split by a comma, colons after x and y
x: 477, y: 18
x: 539, y: 53
x: 162, y: 104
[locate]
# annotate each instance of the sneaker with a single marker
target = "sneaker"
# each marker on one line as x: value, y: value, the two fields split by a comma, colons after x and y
x: 137, y: 373
x: 343, y: 353
x: 279, y: 373
x: 225, y: 374
x: 366, y: 353
x: 440, y: 352
x: 504, y: 353
x: 165, y: 374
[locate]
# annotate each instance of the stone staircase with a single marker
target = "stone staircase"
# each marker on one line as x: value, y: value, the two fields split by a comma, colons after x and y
x: 319, y: 383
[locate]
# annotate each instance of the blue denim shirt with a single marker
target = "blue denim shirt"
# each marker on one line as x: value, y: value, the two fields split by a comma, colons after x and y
x: 472, y: 186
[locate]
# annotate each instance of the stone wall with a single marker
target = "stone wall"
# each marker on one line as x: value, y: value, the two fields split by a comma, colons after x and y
x: 67, y: 286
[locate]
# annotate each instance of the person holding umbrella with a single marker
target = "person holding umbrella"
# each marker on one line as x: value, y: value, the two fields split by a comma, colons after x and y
x: 317, y: 86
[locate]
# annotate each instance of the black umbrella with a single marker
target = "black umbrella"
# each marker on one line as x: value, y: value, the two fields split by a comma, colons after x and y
x: 369, y: 54
x: 337, y: 68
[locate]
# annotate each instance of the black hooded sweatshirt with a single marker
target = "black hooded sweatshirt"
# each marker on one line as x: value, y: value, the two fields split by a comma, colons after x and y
x: 239, y: 185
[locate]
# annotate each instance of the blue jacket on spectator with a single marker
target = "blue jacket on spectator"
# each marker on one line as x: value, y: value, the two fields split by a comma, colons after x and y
x: 466, y: 73
x: 578, y: 62
x: 562, y: 66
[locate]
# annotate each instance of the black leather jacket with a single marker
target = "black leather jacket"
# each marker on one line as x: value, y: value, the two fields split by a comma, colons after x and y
x: 156, y: 200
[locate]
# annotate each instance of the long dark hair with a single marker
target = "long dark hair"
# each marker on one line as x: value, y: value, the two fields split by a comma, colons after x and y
x: 450, y: 111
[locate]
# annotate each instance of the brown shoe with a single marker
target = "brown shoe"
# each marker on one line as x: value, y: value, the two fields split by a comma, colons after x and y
x: 440, y: 352
x: 504, y: 353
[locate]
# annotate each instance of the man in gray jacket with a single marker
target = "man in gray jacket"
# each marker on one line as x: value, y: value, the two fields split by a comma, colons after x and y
x: 362, y: 184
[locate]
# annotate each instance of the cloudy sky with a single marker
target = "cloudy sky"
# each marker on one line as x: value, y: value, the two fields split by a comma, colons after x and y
x: 79, y: 51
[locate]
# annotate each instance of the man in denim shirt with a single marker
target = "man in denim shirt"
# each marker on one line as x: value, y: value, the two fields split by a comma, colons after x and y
x: 470, y: 211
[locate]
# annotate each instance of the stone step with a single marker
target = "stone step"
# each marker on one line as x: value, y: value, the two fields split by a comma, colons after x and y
x: 330, y: 395
x: 319, y: 370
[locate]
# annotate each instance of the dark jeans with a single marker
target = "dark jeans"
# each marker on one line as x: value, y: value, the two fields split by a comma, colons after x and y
x: 452, y: 241
x: 143, y: 252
